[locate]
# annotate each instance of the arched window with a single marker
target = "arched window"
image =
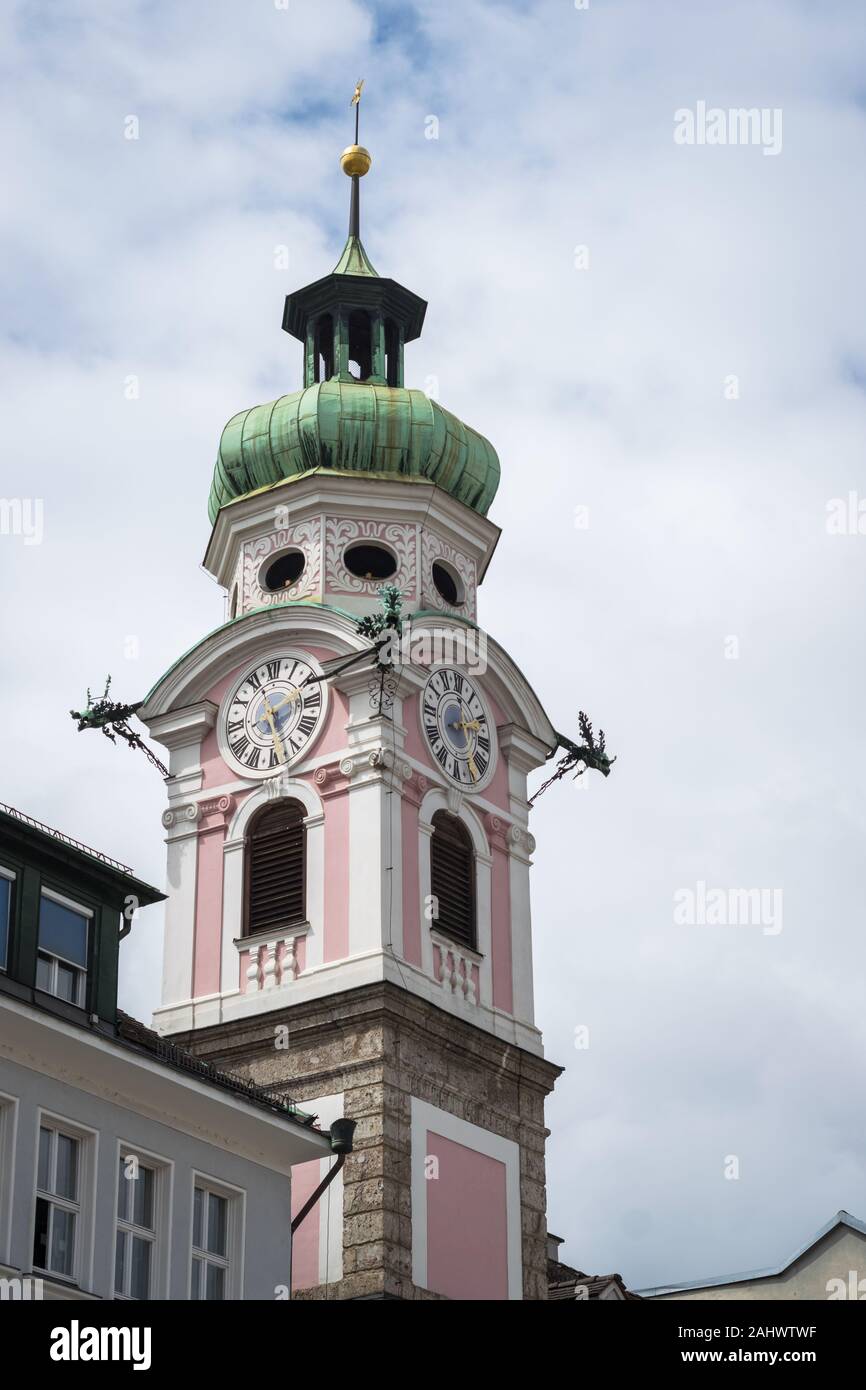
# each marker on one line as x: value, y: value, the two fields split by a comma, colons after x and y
x: 360, y: 344
x: 392, y: 353
x: 323, y: 349
x: 275, y: 869
x: 452, y: 878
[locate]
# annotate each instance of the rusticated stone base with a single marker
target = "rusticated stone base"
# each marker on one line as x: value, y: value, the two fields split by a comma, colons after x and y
x: 379, y: 1046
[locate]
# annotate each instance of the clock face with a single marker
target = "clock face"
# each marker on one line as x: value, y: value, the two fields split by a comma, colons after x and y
x: 272, y: 717
x: 457, y: 728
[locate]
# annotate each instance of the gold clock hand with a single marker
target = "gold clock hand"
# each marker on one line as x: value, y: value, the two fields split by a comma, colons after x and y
x: 278, y: 742
x: 286, y: 700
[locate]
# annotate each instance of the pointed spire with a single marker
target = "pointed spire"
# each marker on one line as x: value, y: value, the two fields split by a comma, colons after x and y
x: 354, y: 260
x: 355, y: 162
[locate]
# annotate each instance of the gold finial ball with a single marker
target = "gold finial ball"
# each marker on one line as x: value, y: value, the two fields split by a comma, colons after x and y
x: 355, y: 160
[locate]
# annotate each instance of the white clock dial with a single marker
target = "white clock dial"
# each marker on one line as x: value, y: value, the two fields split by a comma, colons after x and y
x: 457, y: 727
x: 273, y: 715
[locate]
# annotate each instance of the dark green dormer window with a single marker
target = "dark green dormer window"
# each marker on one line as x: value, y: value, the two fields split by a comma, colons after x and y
x: 64, y: 938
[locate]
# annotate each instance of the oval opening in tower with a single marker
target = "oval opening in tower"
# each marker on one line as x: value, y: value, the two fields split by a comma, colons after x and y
x: 448, y: 583
x: 284, y: 571
x: 370, y: 562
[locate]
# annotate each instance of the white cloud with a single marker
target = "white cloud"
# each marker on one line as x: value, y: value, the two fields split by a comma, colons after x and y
x: 602, y: 388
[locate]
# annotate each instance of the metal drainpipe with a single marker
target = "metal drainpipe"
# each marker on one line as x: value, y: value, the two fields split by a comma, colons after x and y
x: 341, y: 1134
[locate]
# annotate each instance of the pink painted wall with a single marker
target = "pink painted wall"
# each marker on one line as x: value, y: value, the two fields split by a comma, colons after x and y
x: 497, y: 792
x: 207, y: 946
x: 305, y: 1242
x: 333, y: 736
x: 467, y: 1232
x: 214, y: 771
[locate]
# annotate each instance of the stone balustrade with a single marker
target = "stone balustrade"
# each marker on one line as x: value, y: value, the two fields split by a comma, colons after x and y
x: 273, y: 962
x: 457, y: 969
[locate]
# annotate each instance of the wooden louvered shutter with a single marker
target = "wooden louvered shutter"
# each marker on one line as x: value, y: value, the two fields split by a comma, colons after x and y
x: 275, y: 869
x: 452, y: 878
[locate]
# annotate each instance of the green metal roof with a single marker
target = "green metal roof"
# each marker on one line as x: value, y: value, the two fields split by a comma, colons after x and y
x: 354, y: 427
x: 354, y: 260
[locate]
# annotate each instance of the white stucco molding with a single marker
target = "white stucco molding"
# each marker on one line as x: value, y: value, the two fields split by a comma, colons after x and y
x: 281, y: 787
x: 235, y: 644
x: 522, y: 749
x: 437, y: 799
x: 183, y: 726
x: 343, y: 494
x: 440, y: 799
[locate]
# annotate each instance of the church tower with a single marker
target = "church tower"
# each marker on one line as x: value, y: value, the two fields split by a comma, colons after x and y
x: 347, y: 837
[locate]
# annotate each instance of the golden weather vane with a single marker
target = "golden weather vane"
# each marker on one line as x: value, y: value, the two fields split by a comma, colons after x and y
x: 356, y: 102
x: 355, y: 162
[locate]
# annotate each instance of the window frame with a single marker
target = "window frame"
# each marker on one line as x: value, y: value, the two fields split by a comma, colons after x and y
x: 289, y: 926
x: 8, y: 1150
x: 160, y: 1267
x: 470, y: 946
x: 233, y: 1260
x: 83, y: 1205
x: 11, y: 877
x: 55, y: 961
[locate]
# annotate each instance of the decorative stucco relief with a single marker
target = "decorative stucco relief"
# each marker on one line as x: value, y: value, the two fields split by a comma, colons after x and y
x: 434, y: 548
x: 341, y: 532
x: 306, y: 537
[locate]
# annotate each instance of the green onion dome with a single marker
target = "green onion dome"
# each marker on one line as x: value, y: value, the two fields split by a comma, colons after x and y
x: 353, y: 427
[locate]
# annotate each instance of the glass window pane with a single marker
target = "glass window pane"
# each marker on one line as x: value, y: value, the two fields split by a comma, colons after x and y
x: 196, y: 1280
x: 139, y: 1285
x: 62, y: 1241
x: 216, y: 1224
x: 5, y: 901
x: 62, y: 932
x: 66, y: 1184
x: 67, y: 983
x: 40, y: 1235
x: 43, y: 1181
x: 119, y: 1258
x: 216, y: 1282
x: 198, y: 1198
x: 43, y: 973
x: 142, y: 1211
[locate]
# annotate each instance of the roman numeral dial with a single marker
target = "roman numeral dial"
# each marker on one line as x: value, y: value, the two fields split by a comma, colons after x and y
x: 273, y: 715
x: 457, y: 727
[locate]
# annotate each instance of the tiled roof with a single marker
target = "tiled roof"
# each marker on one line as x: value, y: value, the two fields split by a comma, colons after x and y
x: 131, y: 1030
x: 64, y: 839
x: 563, y: 1282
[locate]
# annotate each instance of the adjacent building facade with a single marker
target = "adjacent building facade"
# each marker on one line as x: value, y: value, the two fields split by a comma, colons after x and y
x: 831, y: 1266
x: 127, y: 1169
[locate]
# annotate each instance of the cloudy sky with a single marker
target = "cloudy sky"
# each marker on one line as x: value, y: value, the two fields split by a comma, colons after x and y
x: 667, y: 344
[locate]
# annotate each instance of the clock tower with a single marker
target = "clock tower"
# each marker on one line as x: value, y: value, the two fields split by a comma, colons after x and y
x: 347, y: 832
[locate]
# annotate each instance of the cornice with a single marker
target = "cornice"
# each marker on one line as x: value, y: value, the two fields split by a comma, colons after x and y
x: 348, y: 494
x: 184, y: 726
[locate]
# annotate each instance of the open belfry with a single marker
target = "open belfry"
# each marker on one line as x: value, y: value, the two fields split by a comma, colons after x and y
x: 347, y: 829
